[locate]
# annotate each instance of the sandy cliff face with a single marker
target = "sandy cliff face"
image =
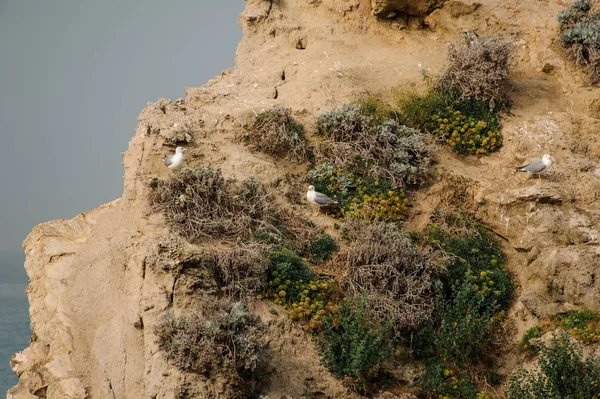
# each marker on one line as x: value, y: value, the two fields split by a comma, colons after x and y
x: 99, y: 283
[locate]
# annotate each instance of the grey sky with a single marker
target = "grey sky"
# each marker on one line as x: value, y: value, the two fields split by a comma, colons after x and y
x: 74, y: 75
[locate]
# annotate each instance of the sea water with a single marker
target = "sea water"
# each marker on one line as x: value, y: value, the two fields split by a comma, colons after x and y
x: 14, y: 314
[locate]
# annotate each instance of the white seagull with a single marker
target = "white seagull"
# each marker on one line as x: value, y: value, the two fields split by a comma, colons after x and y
x: 319, y: 199
x: 175, y: 161
x: 538, y: 166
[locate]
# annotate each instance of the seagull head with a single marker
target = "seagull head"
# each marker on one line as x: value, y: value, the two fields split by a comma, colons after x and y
x: 546, y: 157
x: 179, y: 150
x: 311, y: 188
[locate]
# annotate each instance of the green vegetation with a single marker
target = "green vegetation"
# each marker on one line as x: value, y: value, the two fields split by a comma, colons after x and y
x: 562, y: 373
x: 322, y: 248
x: 580, y: 36
x: 294, y: 286
x: 468, y: 126
x: 475, y: 292
x: 276, y: 133
x: 525, y: 345
x: 361, y: 198
x: 352, y: 344
x: 583, y: 324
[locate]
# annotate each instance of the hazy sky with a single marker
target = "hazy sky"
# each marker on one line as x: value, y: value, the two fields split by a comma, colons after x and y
x: 74, y: 75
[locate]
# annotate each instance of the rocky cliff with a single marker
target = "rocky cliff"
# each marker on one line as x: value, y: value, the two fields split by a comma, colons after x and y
x: 100, y: 282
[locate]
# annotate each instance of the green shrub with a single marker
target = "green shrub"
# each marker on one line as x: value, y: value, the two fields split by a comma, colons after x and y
x: 477, y: 68
x: 351, y: 343
x: 580, y: 36
x: 466, y: 135
x: 417, y: 110
x: 361, y: 198
x: 228, y: 342
x: 525, y: 345
x: 469, y: 126
x: 562, y: 373
x: 441, y: 382
x: 286, y: 265
x: 276, y: 133
x: 357, y: 139
x: 323, y: 247
x: 472, y: 298
x: 584, y: 324
x: 376, y: 110
x: 466, y: 325
x: 477, y: 259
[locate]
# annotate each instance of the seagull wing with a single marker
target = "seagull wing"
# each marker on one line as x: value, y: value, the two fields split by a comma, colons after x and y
x: 322, y: 199
x: 534, y: 167
x: 168, y: 160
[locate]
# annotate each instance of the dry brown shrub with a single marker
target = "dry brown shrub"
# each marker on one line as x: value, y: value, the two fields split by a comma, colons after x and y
x: 225, y: 341
x: 276, y: 133
x: 202, y: 203
x: 395, y: 276
x: 242, y: 269
x: 477, y: 67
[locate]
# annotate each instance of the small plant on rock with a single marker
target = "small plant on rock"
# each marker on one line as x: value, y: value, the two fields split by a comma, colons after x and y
x: 526, y: 345
x: 583, y: 324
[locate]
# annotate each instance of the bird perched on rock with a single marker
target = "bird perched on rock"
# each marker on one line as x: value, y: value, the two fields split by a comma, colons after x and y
x: 174, y: 161
x: 319, y: 199
x: 538, y: 166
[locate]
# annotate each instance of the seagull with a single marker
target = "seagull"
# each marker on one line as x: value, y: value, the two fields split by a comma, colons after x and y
x: 538, y: 166
x: 319, y: 199
x: 174, y: 162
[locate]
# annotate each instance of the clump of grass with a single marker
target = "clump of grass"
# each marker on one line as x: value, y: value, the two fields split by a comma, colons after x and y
x: 562, y: 372
x: 394, y: 277
x: 228, y: 342
x: 528, y: 347
x: 580, y: 36
x: 360, y: 198
x: 276, y: 133
x: 356, y: 139
x: 477, y: 68
x: 202, y: 203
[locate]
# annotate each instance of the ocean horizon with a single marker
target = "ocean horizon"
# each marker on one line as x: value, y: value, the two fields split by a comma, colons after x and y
x: 14, y: 314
